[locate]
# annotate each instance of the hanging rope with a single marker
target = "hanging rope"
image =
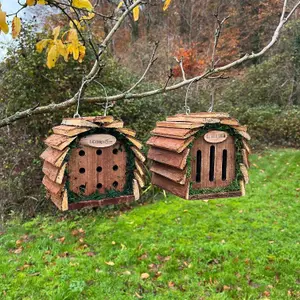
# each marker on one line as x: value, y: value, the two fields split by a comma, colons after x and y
x: 106, y: 106
x: 186, y: 107
x: 77, y: 115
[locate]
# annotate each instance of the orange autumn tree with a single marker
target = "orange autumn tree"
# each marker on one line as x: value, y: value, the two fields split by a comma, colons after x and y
x: 72, y: 40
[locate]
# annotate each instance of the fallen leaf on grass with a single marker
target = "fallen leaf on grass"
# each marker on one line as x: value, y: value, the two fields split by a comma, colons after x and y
x: 144, y: 256
x: 127, y: 273
x: 138, y: 296
x: 145, y: 276
x: 226, y: 288
x: 267, y: 293
x: 19, y: 250
x: 90, y: 254
x: 19, y: 242
x: 171, y: 284
x: 113, y: 242
x: 110, y: 263
x: 61, y: 240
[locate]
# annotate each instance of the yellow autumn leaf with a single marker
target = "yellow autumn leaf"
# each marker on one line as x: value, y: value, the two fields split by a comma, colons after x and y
x: 78, y: 25
x: 16, y: 27
x: 41, y: 45
x: 34, y: 2
x: 167, y: 4
x: 56, y: 32
x: 136, y: 13
x: 88, y: 17
x: 85, y: 4
x: 110, y: 263
x: 81, y: 53
x: 52, y: 57
x: 3, y: 24
x: 62, y: 49
x: 120, y: 4
x: 73, y: 39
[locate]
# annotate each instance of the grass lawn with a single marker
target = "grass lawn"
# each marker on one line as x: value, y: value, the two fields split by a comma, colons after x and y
x: 239, y: 248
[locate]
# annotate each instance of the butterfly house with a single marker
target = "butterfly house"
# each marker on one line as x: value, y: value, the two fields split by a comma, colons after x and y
x: 92, y: 161
x: 200, y: 156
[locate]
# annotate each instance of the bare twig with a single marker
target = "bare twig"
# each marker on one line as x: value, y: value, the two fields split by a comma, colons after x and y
x: 218, y: 31
x: 180, y: 62
x: 150, y: 64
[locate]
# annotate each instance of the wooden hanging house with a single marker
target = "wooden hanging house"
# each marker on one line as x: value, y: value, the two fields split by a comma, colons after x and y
x: 200, y: 156
x: 92, y: 161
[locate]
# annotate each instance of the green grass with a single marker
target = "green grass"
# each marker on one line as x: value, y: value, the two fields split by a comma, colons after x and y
x: 239, y: 248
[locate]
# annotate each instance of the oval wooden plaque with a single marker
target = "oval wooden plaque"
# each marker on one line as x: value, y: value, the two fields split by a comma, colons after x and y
x: 215, y: 136
x: 98, y: 140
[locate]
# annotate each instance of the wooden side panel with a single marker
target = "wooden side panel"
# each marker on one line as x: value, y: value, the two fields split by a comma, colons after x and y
x: 138, y: 154
x: 50, y: 170
x: 99, y: 119
x: 80, y: 122
x: 174, y: 145
x: 207, y: 115
x: 246, y: 146
x: 57, y: 200
x: 139, y: 179
x: 52, y: 155
x: 52, y: 187
x: 115, y: 124
x: 69, y: 130
x: 211, y: 170
x: 230, y: 122
x: 244, y: 135
x: 140, y: 167
x: 245, y: 158
x: 194, y: 119
x: 176, y: 175
x: 171, y: 186
x: 92, y: 169
x: 136, y: 190
x: 177, y: 133
x: 59, y: 142
x: 127, y: 131
x: 135, y: 142
x: 176, y: 160
x: 183, y: 125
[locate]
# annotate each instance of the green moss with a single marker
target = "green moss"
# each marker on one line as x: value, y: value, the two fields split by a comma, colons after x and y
x: 130, y: 167
x: 234, y: 186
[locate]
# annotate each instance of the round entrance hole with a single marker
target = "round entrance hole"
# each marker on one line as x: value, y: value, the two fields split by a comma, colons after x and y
x: 82, y: 189
x: 115, y: 167
x: 99, y: 169
x: 115, y: 151
x: 99, y: 185
x: 82, y: 170
x: 115, y: 184
x: 81, y: 153
x: 99, y: 152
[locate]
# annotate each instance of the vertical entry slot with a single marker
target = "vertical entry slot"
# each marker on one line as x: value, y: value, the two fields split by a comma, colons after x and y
x: 198, y: 166
x: 224, y: 165
x: 212, y: 163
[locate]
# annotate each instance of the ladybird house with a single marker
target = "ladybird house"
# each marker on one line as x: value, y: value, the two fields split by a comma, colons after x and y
x: 200, y: 156
x: 92, y: 161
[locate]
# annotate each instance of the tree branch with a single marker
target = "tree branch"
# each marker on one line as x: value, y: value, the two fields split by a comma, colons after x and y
x: 122, y: 96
